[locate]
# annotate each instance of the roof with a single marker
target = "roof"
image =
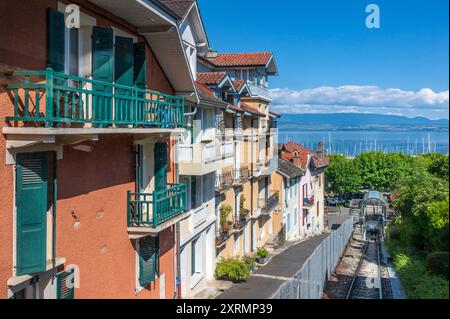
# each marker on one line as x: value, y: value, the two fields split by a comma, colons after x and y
x: 238, y: 84
x: 207, y: 95
x: 300, y: 155
x: 251, y: 109
x: 289, y: 169
x: 235, y: 108
x: 208, y: 78
x: 180, y: 7
x: 274, y: 114
x: 240, y: 59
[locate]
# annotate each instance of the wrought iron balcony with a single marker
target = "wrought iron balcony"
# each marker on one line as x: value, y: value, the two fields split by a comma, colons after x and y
x: 224, y: 181
x: 241, y: 175
x: 153, y: 209
x: 239, y: 222
x: 269, y: 204
x: 50, y: 99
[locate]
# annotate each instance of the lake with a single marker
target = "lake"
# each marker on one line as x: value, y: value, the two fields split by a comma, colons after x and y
x: 351, y: 143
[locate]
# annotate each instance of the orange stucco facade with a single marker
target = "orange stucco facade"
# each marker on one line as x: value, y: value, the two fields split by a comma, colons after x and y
x: 91, y: 225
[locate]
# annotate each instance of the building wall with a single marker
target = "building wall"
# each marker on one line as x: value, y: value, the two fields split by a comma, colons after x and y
x: 23, y: 40
x: 277, y: 216
x: 6, y: 205
x: 92, y: 185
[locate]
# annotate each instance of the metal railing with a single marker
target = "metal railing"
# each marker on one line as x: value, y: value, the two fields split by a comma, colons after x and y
x: 60, y: 98
x: 267, y: 205
x: 224, y: 181
x: 310, y: 280
x: 153, y: 209
x: 241, y: 175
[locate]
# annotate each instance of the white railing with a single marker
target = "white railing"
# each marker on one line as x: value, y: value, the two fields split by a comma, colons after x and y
x: 209, y: 152
x: 228, y: 149
x: 186, y: 152
x: 258, y: 90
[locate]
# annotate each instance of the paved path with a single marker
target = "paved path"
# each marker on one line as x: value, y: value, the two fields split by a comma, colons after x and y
x: 266, y: 280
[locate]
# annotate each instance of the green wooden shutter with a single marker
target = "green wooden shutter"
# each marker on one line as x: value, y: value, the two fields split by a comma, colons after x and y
x: 102, y: 70
x: 31, y: 202
x: 123, y: 61
x: 65, y: 284
x: 123, y: 75
x: 140, y: 73
x: 160, y: 166
x: 55, y: 40
x: 147, y: 260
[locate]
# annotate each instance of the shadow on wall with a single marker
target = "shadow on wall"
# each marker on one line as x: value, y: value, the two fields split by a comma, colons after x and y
x: 111, y: 163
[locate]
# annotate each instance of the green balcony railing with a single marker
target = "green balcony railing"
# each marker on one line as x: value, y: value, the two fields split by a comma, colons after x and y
x: 50, y: 98
x: 153, y: 209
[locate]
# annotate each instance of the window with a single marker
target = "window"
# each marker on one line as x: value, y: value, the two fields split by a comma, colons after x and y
x: 305, y: 214
x: 295, y: 216
x: 72, y: 49
x: 147, y: 249
x: 295, y: 187
x: 317, y: 207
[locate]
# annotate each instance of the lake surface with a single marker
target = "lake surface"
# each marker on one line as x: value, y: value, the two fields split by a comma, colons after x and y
x: 353, y: 142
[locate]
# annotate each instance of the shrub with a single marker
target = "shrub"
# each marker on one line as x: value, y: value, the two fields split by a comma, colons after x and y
x: 249, y: 261
x: 232, y: 269
x: 437, y: 263
x: 225, y: 211
x: 262, y: 253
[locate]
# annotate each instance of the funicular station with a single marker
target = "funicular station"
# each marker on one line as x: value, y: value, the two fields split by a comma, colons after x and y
x: 373, y: 209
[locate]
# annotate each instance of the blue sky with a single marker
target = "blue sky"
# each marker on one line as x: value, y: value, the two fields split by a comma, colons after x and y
x: 330, y: 62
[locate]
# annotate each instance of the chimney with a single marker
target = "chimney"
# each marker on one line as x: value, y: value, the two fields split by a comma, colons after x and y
x: 211, y: 54
x: 320, y: 149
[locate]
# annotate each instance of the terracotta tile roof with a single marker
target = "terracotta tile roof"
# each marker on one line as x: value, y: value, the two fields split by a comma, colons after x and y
x: 299, y: 155
x: 251, y: 109
x: 207, y: 95
x: 238, y: 84
x: 240, y: 59
x: 208, y: 78
x: 235, y: 108
x: 180, y: 7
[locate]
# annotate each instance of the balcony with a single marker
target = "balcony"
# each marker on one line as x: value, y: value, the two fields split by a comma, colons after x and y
x: 241, y: 175
x: 258, y: 90
x: 153, y: 212
x: 239, y: 222
x: 197, y: 159
x: 224, y: 181
x: 46, y: 101
x: 308, y: 201
x: 269, y: 204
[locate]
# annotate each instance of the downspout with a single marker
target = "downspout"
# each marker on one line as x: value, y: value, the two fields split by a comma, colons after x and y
x: 55, y: 197
x: 251, y: 189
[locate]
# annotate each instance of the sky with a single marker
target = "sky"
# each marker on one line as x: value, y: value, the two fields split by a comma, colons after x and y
x: 329, y: 61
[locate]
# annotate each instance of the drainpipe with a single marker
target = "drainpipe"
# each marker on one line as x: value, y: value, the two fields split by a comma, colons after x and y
x: 178, y: 279
x: 251, y: 192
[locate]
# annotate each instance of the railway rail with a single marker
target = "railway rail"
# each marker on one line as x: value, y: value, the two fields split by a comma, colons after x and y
x: 367, y: 280
x: 361, y: 273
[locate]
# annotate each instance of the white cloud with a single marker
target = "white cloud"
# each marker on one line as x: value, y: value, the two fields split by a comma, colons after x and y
x: 362, y: 99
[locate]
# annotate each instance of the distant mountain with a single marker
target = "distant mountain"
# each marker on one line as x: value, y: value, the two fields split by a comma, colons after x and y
x: 358, y: 121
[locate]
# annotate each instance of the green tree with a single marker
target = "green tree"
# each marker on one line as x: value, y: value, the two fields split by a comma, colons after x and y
x: 342, y: 176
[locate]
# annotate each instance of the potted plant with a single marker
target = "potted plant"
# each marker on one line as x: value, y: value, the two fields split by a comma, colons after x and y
x: 261, y: 255
x: 250, y: 261
x: 244, y: 212
x: 225, y: 224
